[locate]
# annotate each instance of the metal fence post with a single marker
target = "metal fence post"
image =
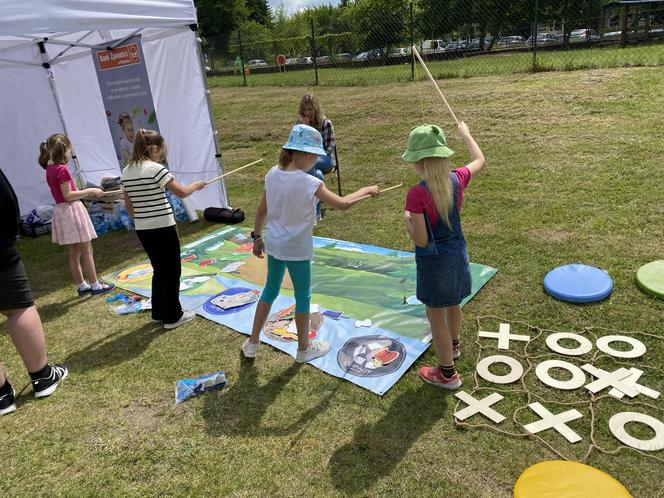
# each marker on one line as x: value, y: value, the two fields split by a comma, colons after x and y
x: 239, y: 41
x: 313, y: 49
x: 412, y: 44
x: 535, y: 34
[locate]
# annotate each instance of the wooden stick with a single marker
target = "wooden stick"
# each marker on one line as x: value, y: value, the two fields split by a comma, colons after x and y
x: 381, y: 191
x: 232, y: 171
x: 417, y: 54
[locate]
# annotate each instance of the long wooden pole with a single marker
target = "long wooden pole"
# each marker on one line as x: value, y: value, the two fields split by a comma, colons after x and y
x: 232, y: 171
x: 426, y: 69
x: 381, y: 191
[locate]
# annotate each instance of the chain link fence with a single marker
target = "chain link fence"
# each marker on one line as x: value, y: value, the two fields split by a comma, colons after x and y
x: 369, y: 41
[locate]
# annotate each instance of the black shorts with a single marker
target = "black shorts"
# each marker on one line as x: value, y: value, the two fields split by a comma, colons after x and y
x: 15, y: 291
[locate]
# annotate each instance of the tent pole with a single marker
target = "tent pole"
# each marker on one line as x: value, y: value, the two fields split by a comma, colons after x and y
x: 122, y: 40
x: 46, y: 65
x: 199, y: 49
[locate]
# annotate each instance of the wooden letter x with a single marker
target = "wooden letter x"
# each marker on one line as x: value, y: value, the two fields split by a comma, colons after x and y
x: 503, y: 335
x: 557, y: 422
x: 479, y: 406
x: 615, y: 379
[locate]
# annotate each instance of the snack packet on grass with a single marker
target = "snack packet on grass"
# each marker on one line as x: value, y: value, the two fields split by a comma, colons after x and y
x: 187, y: 388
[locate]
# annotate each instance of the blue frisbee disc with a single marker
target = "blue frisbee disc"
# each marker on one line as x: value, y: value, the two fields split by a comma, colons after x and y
x: 578, y: 283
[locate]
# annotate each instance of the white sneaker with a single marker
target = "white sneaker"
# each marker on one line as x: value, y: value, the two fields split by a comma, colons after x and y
x: 315, y: 350
x: 187, y: 316
x: 249, y: 349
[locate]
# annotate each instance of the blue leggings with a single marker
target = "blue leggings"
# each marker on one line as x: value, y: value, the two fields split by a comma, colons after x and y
x: 300, y: 274
x: 323, y: 165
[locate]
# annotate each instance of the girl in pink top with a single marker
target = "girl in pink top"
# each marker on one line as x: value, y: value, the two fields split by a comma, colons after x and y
x: 71, y: 224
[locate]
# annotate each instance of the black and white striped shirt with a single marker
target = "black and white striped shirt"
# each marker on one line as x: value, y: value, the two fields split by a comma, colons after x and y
x: 145, y: 184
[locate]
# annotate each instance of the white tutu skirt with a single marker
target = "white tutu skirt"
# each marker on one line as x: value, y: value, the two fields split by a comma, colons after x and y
x: 71, y: 224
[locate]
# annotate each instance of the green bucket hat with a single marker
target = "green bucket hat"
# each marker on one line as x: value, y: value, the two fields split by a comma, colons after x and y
x: 426, y: 141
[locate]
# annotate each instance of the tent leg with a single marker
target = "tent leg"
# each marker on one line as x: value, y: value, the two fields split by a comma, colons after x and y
x: 47, y: 65
x: 209, y: 106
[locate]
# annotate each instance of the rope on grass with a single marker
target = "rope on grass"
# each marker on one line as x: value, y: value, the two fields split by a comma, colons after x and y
x: 591, y: 404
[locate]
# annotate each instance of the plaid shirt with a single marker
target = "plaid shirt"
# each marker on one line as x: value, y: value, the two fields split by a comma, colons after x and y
x: 329, y: 140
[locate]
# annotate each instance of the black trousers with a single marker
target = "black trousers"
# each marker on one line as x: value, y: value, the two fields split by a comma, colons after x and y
x: 163, y: 248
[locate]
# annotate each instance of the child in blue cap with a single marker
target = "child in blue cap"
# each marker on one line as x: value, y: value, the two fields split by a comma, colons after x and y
x: 433, y: 221
x: 288, y: 212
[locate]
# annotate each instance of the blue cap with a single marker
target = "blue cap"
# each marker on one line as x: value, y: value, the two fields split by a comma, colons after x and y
x: 305, y: 139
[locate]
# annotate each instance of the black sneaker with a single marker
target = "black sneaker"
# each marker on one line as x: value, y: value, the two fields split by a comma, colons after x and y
x: 103, y: 289
x: 47, y: 385
x: 7, y: 402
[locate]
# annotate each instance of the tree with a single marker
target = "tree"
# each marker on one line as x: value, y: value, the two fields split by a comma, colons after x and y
x: 259, y: 11
x: 383, y: 22
x: 218, y: 18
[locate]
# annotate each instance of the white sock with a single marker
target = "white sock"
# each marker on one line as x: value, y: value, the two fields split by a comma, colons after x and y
x: 96, y: 285
x: 83, y: 286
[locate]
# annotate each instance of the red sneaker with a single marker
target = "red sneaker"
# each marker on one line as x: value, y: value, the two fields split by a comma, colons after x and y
x: 433, y: 375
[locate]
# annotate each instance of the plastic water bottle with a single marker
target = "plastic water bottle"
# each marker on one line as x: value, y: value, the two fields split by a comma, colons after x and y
x: 125, y: 218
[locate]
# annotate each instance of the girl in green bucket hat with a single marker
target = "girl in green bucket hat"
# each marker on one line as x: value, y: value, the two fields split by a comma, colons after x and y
x: 433, y: 221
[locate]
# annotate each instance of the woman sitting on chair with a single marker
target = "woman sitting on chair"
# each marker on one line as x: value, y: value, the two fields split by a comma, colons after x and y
x: 310, y: 113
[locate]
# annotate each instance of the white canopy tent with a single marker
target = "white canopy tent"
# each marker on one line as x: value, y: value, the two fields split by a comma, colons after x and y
x: 48, y: 84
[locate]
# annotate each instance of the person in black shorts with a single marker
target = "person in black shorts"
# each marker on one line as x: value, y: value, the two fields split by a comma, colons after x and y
x: 17, y: 304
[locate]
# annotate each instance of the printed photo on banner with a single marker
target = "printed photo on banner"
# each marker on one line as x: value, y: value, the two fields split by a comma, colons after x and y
x: 126, y: 93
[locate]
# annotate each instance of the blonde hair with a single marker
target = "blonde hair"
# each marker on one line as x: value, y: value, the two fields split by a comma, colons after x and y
x: 436, y: 173
x: 54, y: 149
x: 319, y: 115
x: 143, y: 141
x: 287, y: 156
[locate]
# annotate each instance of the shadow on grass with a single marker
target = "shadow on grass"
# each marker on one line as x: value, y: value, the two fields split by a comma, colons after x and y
x: 376, y: 450
x: 52, y: 311
x: 114, y: 349
x: 46, y: 263
x: 238, y: 411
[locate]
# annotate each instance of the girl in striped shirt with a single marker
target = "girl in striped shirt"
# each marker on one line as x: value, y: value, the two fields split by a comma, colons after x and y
x: 144, y: 180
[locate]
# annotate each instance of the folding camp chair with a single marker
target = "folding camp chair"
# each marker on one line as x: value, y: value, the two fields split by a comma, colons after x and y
x: 336, y: 167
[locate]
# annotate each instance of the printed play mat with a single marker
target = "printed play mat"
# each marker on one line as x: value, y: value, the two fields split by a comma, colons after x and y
x: 363, y: 301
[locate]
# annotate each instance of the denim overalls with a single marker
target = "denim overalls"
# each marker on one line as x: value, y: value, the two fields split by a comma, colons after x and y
x: 443, y: 272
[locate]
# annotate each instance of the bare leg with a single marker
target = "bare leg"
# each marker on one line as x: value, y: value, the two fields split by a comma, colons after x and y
x: 25, y: 329
x: 303, y: 325
x: 75, y: 263
x: 454, y: 317
x: 3, y: 378
x: 440, y: 333
x: 88, y: 262
x: 260, y: 317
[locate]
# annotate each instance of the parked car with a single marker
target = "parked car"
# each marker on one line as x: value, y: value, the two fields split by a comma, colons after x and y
x: 612, y: 34
x: 344, y: 57
x: 399, y: 52
x: 256, y: 63
x: 306, y: 60
x: 432, y: 46
x: 369, y: 55
x: 291, y: 61
x: 511, y: 41
x: 545, y: 39
x: 325, y: 59
x: 583, y: 35
x: 456, y: 46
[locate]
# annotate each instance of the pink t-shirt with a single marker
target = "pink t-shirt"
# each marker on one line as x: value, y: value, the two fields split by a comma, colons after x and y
x: 55, y: 175
x: 419, y: 201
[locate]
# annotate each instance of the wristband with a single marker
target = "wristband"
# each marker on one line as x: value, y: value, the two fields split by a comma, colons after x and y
x: 255, y: 236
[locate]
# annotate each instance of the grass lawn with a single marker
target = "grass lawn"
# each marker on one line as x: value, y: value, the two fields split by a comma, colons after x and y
x: 574, y: 175
x: 501, y: 63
